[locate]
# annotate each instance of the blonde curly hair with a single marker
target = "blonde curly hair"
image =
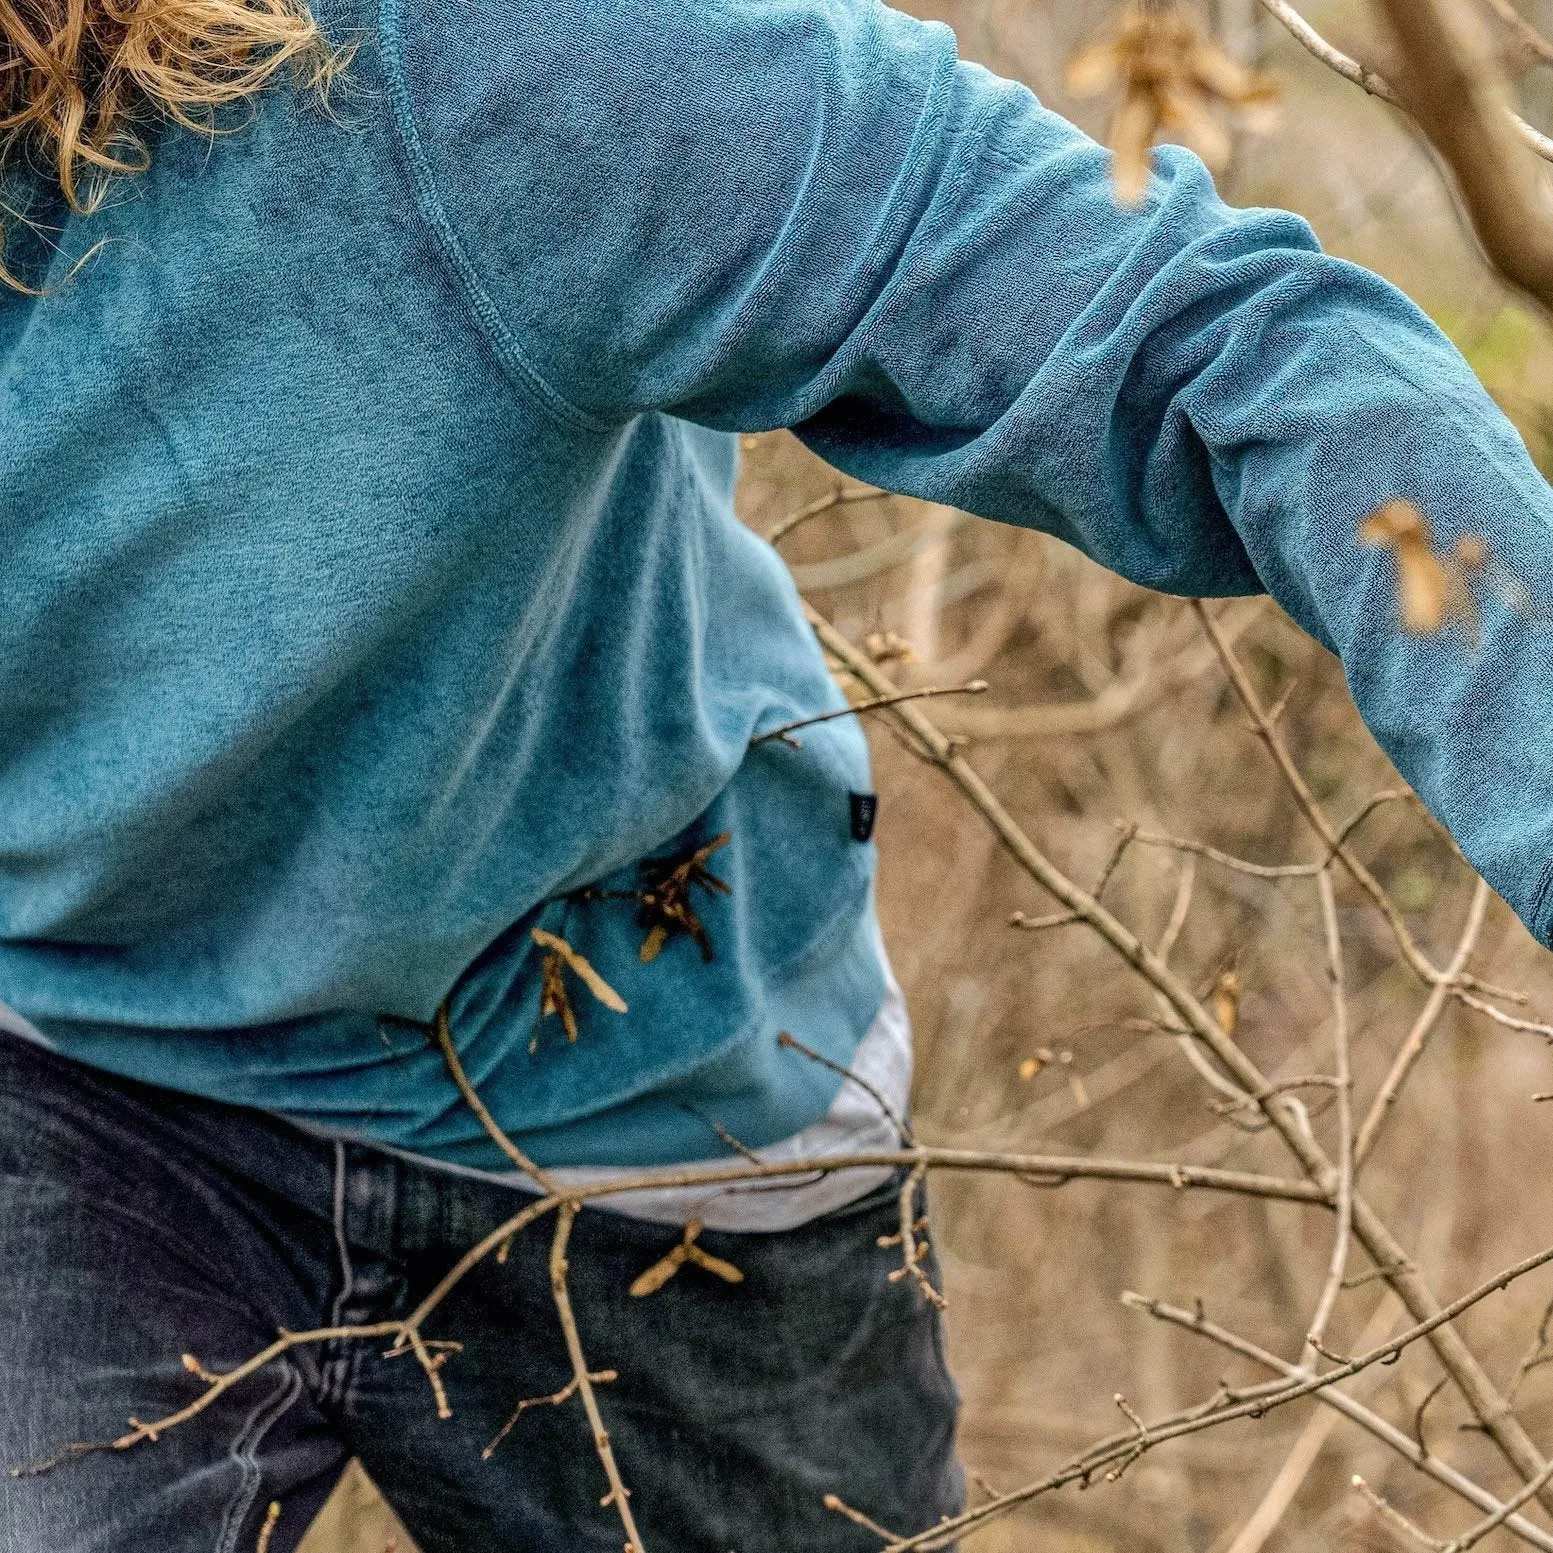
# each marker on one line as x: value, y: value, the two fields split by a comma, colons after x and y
x: 75, y: 75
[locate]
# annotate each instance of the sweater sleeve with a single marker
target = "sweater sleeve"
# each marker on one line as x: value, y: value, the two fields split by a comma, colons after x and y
x: 809, y: 213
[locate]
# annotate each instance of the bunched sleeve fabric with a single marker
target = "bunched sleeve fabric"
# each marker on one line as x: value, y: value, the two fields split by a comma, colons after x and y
x: 810, y: 213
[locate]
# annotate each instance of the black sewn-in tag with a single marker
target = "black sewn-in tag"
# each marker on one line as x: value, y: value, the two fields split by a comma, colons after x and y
x: 865, y: 810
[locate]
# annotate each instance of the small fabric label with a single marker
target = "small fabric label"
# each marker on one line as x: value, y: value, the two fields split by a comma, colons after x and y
x: 865, y: 810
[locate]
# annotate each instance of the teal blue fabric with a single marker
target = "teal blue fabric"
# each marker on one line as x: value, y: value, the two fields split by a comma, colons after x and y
x: 372, y: 584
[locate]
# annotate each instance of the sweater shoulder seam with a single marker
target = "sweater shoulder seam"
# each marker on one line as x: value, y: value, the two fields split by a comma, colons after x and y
x: 493, y: 327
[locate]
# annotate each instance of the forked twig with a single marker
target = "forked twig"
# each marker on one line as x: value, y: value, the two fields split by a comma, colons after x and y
x: 619, y: 1494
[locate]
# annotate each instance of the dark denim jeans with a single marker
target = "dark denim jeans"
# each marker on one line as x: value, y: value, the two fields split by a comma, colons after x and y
x: 137, y: 1225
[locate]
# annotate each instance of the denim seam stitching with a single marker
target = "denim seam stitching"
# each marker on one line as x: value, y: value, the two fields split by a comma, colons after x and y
x: 347, y: 1271
x: 245, y: 1455
x: 339, y: 1360
x: 495, y: 329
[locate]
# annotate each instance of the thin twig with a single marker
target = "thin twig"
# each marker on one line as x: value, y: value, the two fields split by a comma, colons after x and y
x: 972, y: 687
x: 406, y: 1333
x: 1315, y: 816
x: 1423, y: 1408
x: 1451, y: 86
x: 840, y: 497
x: 1497, y: 1518
x: 839, y: 1505
x: 1522, y: 30
x: 1499, y: 1017
x: 1307, y: 1449
x: 1179, y: 908
x: 913, y: 1250
x: 1303, y: 1384
x: 1282, y: 1112
x: 1372, y: 1423
x: 1371, y: 80
x: 267, y: 1530
x: 1389, y: 1513
x: 443, y: 1033
x: 1270, y: 870
x: 555, y: 1399
x: 1126, y: 834
x: 1417, y: 1038
x: 140, y: 1432
x: 619, y: 1494
x: 891, y: 1115
x: 1337, y: 1266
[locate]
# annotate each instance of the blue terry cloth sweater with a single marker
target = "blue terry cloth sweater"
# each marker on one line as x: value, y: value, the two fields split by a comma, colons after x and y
x: 371, y: 583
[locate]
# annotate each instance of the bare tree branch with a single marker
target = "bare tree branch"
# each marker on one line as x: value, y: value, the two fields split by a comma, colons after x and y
x: 1372, y: 1423
x: 1452, y: 87
x: 1371, y: 80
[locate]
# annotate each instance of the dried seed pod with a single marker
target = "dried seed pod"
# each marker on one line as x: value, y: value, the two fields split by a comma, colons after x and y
x: 1174, y: 79
x: 1226, y: 1001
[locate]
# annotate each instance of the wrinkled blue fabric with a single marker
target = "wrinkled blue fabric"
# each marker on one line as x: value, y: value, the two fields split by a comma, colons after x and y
x: 372, y: 583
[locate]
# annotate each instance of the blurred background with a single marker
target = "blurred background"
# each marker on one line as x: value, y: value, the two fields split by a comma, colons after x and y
x: 1105, y: 704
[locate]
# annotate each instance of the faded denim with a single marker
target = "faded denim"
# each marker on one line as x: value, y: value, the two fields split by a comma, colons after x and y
x: 136, y: 1225
x: 371, y: 579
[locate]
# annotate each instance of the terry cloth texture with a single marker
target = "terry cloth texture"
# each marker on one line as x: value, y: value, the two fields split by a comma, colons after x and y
x: 372, y: 585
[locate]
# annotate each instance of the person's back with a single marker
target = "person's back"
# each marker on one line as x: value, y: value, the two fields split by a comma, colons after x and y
x: 381, y: 657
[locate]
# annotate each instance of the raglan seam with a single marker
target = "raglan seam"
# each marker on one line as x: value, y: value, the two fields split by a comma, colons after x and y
x: 930, y: 116
x: 487, y: 315
x: 504, y: 340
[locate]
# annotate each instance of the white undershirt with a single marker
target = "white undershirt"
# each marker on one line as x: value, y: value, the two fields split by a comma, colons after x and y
x: 853, y: 1125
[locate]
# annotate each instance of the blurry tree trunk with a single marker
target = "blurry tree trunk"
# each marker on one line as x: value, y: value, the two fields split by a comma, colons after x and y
x: 1451, y: 84
x: 924, y: 601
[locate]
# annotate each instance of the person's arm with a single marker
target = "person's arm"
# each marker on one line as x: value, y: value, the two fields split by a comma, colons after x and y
x: 808, y: 213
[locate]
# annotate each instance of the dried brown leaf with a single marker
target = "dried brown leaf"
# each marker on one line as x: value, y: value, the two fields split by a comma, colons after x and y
x: 714, y: 1264
x: 1432, y: 589
x: 888, y: 647
x: 1093, y: 70
x: 1132, y: 133
x: 665, y: 898
x: 686, y: 1251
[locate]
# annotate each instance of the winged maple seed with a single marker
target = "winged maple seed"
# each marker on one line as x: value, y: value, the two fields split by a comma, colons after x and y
x: 1173, y: 77
x: 1226, y: 1001
x: 554, y: 998
x: 889, y: 647
x: 664, y: 899
x: 686, y: 1251
x: 1433, y: 587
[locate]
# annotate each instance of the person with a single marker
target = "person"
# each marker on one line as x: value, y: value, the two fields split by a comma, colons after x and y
x: 374, y: 601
